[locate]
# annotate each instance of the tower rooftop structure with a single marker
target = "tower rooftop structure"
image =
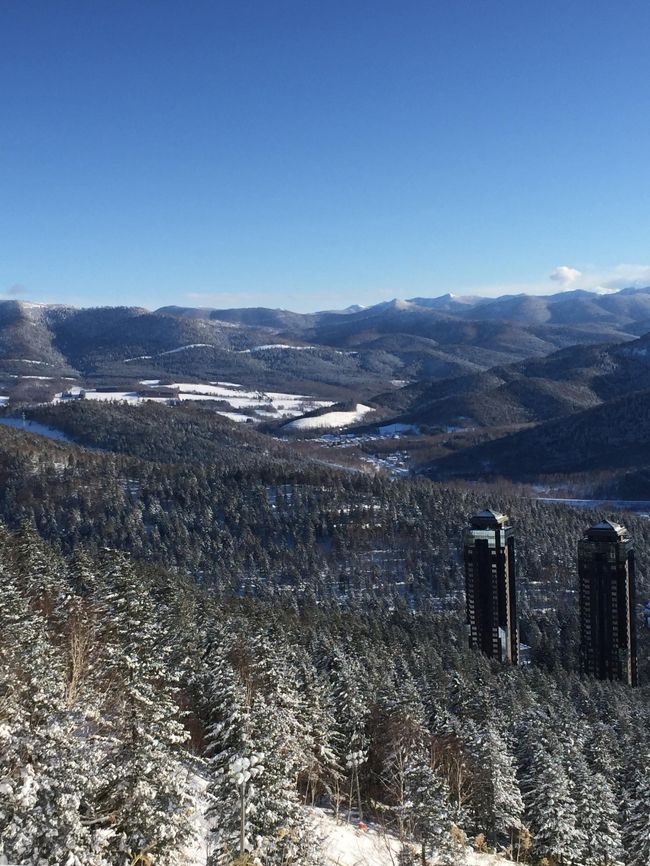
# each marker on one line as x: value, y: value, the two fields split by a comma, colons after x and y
x: 607, y: 530
x: 489, y: 519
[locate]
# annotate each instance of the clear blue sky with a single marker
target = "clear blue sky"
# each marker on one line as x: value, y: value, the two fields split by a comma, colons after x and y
x: 315, y: 153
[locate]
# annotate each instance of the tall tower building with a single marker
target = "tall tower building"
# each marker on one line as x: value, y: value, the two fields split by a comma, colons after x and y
x: 489, y: 553
x: 607, y: 603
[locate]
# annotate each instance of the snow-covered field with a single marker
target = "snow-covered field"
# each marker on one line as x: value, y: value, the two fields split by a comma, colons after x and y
x: 260, y: 405
x: 330, y: 420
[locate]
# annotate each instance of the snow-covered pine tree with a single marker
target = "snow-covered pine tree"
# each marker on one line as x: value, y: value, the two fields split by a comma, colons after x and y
x: 496, y: 793
x: 427, y: 811
x: 400, y: 735
x: 145, y: 801
x: 43, y: 763
x: 228, y: 740
x: 277, y: 722
x: 352, y: 712
x: 321, y: 774
x: 253, y: 714
x: 550, y: 811
x: 597, y: 818
x: 637, y: 830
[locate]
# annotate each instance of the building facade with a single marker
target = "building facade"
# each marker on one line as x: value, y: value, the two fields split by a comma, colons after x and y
x: 491, y: 595
x: 607, y: 603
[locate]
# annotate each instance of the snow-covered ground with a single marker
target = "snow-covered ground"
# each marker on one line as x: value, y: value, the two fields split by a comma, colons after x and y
x: 269, y: 346
x: 330, y: 419
x: 275, y: 404
x: 344, y: 844
x: 261, y: 405
x: 198, y: 852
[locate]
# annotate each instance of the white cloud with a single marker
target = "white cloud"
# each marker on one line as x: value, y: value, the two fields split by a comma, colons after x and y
x: 603, y: 280
x: 566, y: 275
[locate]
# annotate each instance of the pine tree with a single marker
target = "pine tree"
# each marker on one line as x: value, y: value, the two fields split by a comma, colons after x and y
x: 146, y: 797
x: 427, y: 811
x: 43, y: 778
x: 597, y: 821
x: 229, y: 740
x: 496, y: 789
x: 637, y: 831
x: 549, y: 807
x: 321, y: 773
x: 254, y: 729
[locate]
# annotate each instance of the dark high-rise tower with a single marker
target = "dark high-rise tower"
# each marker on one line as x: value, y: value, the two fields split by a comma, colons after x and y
x: 489, y: 553
x: 607, y: 602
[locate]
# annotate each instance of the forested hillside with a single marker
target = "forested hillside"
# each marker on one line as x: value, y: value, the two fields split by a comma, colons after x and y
x: 123, y: 683
x: 233, y: 513
x: 606, y: 443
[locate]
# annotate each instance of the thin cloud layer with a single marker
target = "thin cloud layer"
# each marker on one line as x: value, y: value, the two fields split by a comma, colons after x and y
x: 15, y: 291
x: 570, y: 278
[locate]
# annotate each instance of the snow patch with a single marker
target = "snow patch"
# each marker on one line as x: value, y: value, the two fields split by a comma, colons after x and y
x: 269, y: 346
x: 355, y: 844
x: 170, y: 352
x: 345, y: 844
x: 330, y: 419
x: 198, y: 852
x: 28, y: 361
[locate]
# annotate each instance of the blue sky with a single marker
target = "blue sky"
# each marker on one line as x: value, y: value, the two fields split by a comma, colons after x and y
x: 312, y: 154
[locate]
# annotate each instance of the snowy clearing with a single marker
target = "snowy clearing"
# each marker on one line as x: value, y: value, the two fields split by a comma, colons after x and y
x: 264, y: 405
x: 344, y: 844
x: 330, y: 419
